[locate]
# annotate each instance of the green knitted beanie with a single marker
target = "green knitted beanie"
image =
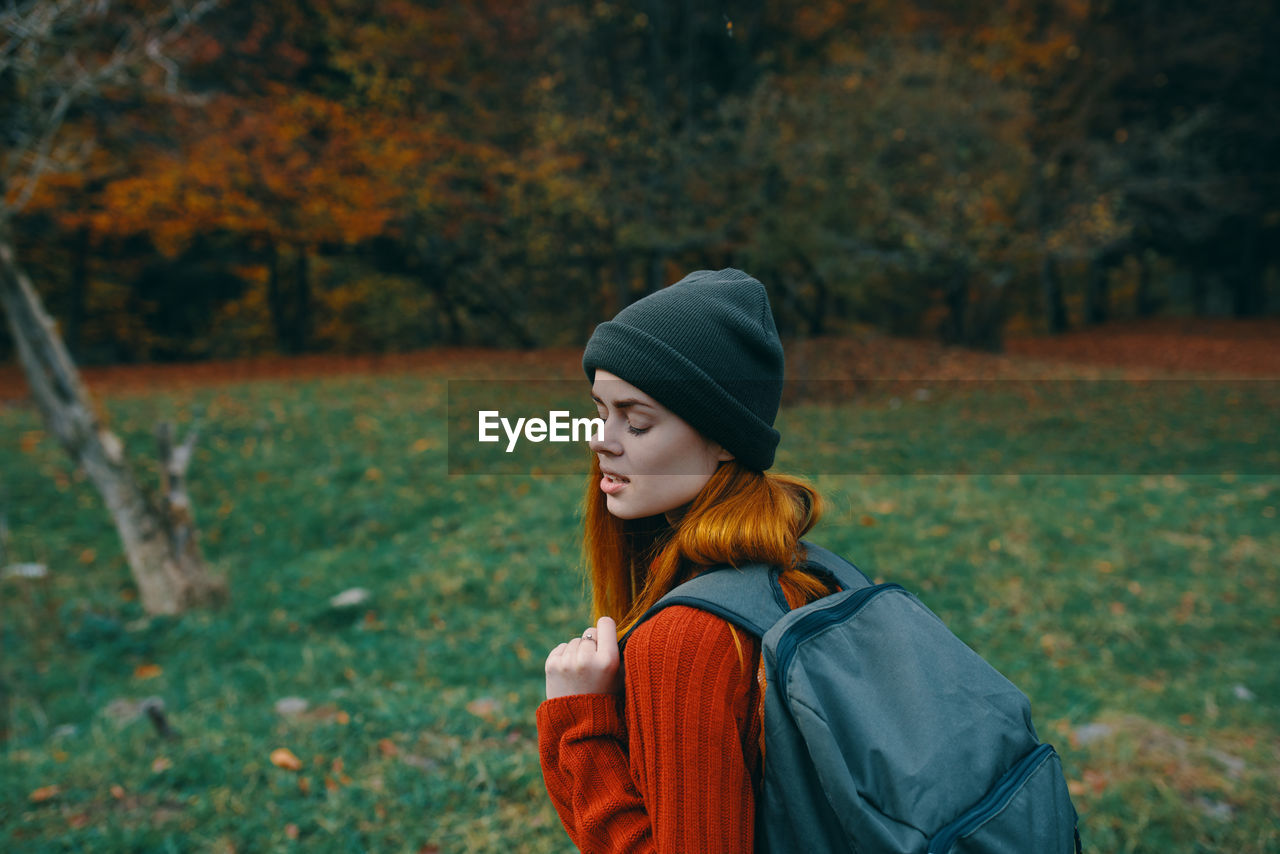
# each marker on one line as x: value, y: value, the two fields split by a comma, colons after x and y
x: 707, y: 349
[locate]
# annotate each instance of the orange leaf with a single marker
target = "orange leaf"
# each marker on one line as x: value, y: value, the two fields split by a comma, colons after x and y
x: 483, y: 707
x: 282, y: 757
x: 44, y: 793
x: 147, y: 671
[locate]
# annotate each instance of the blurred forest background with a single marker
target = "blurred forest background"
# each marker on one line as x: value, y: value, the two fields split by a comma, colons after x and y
x: 348, y: 176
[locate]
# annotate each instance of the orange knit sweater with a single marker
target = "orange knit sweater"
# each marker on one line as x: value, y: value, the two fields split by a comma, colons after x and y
x: 674, y: 764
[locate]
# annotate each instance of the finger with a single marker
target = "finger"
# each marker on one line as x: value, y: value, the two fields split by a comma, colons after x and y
x: 606, y: 633
x: 589, y: 633
x: 554, y: 657
x: 607, y: 641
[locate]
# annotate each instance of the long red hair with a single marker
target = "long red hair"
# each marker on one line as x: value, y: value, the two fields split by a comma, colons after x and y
x: 740, y: 516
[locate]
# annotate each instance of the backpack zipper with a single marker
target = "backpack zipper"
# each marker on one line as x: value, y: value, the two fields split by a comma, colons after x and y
x: 991, y: 803
x: 819, y: 619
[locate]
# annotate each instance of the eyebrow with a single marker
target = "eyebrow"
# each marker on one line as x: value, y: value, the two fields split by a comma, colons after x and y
x: 626, y: 403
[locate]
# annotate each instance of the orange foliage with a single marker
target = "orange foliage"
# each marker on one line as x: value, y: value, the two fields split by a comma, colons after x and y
x: 292, y: 167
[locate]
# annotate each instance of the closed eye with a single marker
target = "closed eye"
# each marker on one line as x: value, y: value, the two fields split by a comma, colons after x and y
x: 637, y: 431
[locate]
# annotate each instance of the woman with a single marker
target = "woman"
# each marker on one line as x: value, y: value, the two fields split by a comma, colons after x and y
x: 688, y: 382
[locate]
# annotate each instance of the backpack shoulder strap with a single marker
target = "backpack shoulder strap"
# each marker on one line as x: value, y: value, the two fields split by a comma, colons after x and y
x: 747, y: 596
x: 849, y: 576
x: 750, y: 596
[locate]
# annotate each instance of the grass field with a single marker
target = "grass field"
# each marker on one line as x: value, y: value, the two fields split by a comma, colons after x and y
x: 1137, y: 609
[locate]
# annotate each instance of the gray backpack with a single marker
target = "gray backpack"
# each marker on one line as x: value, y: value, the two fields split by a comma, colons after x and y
x: 884, y: 733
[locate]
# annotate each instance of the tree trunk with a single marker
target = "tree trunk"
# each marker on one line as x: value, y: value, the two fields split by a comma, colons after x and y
x: 300, y: 338
x: 955, y: 293
x: 1055, y: 308
x: 1199, y: 291
x: 1247, y: 278
x: 984, y: 328
x: 159, y: 543
x: 1098, y: 296
x: 1145, y: 303
x: 621, y: 291
x: 275, y: 296
x: 818, y: 309
x: 79, y: 292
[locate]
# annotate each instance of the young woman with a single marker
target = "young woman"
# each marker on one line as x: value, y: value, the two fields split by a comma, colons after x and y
x: 688, y: 382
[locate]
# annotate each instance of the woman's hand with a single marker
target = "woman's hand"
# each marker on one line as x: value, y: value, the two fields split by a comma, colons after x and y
x: 586, y: 665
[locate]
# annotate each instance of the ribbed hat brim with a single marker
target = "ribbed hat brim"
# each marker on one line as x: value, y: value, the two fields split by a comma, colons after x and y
x: 681, y: 386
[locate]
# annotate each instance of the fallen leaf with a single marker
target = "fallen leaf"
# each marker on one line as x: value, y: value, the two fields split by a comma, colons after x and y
x: 283, y: 757
x: 44, y: 793
x: 147, y: 671
x: 483, y: 707
x: 31, y: 440
x: 117, y: 792
x: 350, y: 598
x: 162, y: 763
x: 291, y: 706
x: 1095, y: 780
x: 291, y: 830
x: 387, y: 747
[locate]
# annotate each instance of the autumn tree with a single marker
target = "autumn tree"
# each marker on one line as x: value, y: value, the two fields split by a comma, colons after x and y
x: 58, y: 57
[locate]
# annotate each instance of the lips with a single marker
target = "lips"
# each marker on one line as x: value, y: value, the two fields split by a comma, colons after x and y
x: 612, y: 483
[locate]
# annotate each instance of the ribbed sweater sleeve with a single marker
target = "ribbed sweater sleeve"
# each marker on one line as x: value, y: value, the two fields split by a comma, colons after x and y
x: 676, y: 770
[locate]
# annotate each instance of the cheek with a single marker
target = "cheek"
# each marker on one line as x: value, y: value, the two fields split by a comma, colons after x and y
x: 650, y: 495
x: 679, y: 489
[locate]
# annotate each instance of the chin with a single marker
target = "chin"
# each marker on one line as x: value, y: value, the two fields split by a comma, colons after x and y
x: 619, y: 510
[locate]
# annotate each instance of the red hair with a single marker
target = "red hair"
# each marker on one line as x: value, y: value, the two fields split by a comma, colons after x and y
x: 740, y: 516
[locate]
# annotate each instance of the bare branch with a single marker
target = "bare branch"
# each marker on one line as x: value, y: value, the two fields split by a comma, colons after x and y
x: 48, y: 44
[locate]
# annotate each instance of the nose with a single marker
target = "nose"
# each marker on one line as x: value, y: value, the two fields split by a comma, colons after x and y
x: 605, y: 443
x: 604, y: 446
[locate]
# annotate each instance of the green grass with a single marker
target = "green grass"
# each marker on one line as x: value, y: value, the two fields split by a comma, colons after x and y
x: 1143, y: 602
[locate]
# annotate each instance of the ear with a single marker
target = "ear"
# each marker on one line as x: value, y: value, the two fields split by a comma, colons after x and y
x: 721, y: 454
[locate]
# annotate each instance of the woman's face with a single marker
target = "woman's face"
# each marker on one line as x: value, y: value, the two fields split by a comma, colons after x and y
x: 653, y: 461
